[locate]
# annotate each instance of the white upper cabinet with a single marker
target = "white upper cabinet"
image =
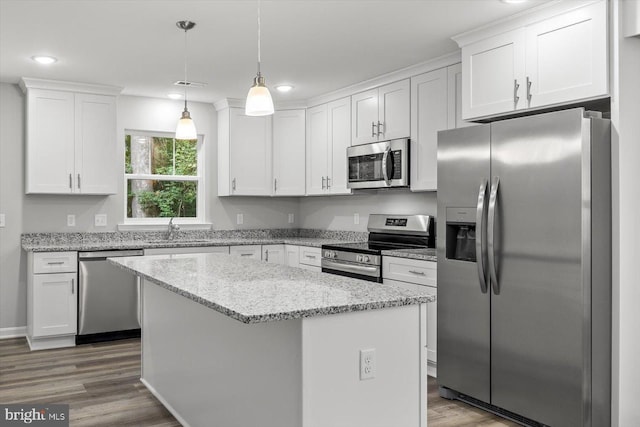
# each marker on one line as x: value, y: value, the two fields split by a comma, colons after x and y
x: 328, y: 136
x: 244, y: 154
x: 71, y: 138
x: 454, y: 98
x: 380, y: 114
x: 428, y: 116
x: 551, y: 58
x: 567, y: 57
x: 289, y: 153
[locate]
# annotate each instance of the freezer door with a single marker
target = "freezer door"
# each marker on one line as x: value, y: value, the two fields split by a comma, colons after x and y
x: 463, y: 306
x: 538, y: 318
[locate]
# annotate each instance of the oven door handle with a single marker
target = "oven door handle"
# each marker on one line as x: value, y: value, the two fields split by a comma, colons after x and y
x: 351, y: 268
x: 385, y: 164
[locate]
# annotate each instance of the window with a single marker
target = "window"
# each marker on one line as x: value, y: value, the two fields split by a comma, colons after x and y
x: 163, y: 178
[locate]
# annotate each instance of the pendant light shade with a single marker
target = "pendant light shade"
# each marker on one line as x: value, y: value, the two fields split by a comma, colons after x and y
x: 259, y: 102
x: 186, y: 129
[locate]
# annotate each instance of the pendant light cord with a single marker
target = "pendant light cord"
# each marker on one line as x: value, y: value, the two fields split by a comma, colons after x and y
x: 185, y: 70
x: 258, y: 38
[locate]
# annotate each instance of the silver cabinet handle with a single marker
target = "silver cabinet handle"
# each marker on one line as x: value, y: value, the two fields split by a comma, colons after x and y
x: 419, y: 273
x: 323, y: 184
x: 55, y: 262
x: 73, y: 284
x: 70, y: 182
x: 266, y: 255
x: 491, y: 227
x: 385, y: 159
x: 528, y: 92
x: 380, y: 125
x: 275, y: 185
x: 328, y: 183
x: 233, y: 184
x: 516, y: 98
x: 481, y: 217
x: 246, y: 254
x: 311, y: 256
x: 373, y: 129
x: 78, y: 181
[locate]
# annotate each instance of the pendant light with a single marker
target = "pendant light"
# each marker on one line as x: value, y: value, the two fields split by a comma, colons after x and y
x: 186, y: 129
x: 259, y: 102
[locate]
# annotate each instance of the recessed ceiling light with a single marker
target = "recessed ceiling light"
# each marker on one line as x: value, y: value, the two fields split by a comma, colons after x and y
x: 175, y: 95
x: 45, y: 60
x: 513, y: 1
x: 284, y: 88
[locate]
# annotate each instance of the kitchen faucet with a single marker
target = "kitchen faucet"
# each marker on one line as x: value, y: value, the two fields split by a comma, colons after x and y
x: 172, y: 229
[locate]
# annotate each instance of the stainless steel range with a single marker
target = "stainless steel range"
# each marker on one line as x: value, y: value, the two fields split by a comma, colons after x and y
x: 364, y: 260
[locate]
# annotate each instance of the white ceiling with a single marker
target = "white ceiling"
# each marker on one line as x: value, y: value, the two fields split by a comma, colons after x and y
x: 316, y: 45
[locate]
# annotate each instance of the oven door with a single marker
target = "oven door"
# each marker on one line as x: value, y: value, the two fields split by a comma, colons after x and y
x: 371, y: 273
x: 379, y: 165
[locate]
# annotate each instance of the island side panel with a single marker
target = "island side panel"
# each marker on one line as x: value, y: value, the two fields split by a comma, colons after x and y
x: 334, y: 395
x: 209, y: 369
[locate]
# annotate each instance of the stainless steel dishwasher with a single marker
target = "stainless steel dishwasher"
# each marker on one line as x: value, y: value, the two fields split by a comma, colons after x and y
x: 108, y: 297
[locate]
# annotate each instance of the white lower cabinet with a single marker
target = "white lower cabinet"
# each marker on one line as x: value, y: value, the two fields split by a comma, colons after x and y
x: 292, y: 255
x: 52, y: 299
x: 188, y: 250
x: 274, y: 254
x: 247, y: 251
x: 409, y: 274
x: 310, y: 258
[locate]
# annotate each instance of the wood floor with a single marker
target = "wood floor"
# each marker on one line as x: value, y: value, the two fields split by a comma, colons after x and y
x: 101, y: 384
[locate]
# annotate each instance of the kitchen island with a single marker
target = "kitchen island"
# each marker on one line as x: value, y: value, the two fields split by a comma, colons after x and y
x: 230, y: 342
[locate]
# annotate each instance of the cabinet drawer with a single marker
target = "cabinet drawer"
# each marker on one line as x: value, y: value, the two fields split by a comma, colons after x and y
x: 310, y: 256
x: 247, y: 251
x: 55, y: 262
x: 410, y: 270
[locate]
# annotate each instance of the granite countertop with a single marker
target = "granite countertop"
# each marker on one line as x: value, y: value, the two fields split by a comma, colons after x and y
x: 427, y: 254
x: 253, y: 291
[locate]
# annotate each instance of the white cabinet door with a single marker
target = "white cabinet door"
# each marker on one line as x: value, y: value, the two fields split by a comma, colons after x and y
x: 566, y: 57
x: 292, y: 255
x: 96, y: 147
x: 428, y: 116
x: 50, y: 142
x: 339, y: 131
x: 249, y: 154
x: 394, y: 110
x: 364, y: 116
x: 289, y: 153
x: 493, y: 75
x: 247, y: 251
x: 454, y: 94
x: 317, y: 148
x: 54, y: 304
x: 274, y: 254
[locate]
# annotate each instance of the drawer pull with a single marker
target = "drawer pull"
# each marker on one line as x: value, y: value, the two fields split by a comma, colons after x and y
x: 246, y: 254
x: 55, y: 262
x: 420, y: 273
x: 311, y: 256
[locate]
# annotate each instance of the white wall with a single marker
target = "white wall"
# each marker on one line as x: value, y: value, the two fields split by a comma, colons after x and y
x: 625, y: 109
x: 336, y: 212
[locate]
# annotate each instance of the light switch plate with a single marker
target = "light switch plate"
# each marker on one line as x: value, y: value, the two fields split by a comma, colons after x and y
x: 239, y: 219
x: 2, y: 220
x: 291, y: 218
x: 356, y: 218
x: 100, y: 220
x: 71, y: 220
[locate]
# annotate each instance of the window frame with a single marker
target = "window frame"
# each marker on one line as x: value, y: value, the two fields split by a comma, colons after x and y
x: 199, y: 179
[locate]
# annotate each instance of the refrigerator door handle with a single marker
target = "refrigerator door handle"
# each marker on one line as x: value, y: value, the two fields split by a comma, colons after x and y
x: 480, y: 220
x: 491, y: 223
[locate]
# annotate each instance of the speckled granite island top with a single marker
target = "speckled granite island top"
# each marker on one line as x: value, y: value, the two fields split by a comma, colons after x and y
x: 254, y: 291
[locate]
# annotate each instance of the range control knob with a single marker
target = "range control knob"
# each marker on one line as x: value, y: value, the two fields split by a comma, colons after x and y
x: 365, y: 258
x: 330, y: 254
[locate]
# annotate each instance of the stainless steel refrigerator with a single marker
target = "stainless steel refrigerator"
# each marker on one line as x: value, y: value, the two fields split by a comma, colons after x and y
x: 524, y: 267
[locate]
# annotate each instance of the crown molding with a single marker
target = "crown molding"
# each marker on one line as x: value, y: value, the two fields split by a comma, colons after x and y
x: 26, y: 83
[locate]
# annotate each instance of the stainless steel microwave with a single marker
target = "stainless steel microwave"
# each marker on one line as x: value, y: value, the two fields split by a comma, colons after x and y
x: 379, y: 165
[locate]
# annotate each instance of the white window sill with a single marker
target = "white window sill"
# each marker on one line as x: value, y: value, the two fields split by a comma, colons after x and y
x: 162, y: 226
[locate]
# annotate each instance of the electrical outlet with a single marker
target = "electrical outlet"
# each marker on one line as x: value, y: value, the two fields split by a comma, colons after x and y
x: 356, y: 218
x: 367, y: 364
x: 71, y: 220
x: 291, y: 219
x: 2, y: 220
x: 239, y: 219
x: 100, y: 220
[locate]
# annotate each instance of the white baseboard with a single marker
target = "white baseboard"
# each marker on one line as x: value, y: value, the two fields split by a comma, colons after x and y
x: 166, y: 404
x: 15, y: 332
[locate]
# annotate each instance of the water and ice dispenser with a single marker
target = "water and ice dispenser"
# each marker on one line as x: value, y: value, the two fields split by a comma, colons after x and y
x: 461, y: 234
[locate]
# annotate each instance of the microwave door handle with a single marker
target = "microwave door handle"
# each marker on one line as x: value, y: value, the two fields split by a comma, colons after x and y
x: 385, y: 162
